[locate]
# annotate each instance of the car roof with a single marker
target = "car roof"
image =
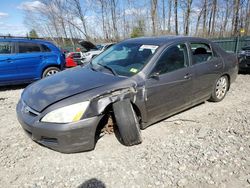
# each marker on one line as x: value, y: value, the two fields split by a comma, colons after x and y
x: 161, y: 40
x: 25, y: 40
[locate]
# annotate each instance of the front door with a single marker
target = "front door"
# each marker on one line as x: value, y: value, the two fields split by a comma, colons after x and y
x: 8, y: 68
x: 169, y: 88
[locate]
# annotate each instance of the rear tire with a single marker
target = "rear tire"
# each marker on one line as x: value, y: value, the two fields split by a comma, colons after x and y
x: 50, y: 71
x: 220, y: 89
x: 127, y: 123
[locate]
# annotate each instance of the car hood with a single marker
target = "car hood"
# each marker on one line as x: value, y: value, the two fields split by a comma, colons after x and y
x: 87, y: 45
x: 65, y: 84
x: 93, y: 52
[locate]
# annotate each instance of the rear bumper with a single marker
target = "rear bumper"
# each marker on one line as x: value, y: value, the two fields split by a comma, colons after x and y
x: 65, y: 138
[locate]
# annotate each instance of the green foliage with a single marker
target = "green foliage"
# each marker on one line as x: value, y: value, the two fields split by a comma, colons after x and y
x: 138, y: 31
x: 33, y: 34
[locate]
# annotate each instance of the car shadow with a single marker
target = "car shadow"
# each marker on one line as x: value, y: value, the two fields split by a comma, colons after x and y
x: 13, y: 87
x: 176, y: 114
x: 244, y: 72
x: 92, y: 183
x: 104, y: 122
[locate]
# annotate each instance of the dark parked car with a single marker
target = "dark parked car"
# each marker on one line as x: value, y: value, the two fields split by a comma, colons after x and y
x: 138, y: 81
x: 23, y: 60
x: 244, y: 59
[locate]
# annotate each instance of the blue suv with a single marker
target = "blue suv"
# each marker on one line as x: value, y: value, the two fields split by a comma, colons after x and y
x: 23, y: 60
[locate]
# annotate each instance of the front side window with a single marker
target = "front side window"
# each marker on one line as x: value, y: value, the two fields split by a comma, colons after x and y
x: 201, y: 52
x: 174, y: 58
x: 125, y: 59
x: 28, y: 47
x: 5, y: 47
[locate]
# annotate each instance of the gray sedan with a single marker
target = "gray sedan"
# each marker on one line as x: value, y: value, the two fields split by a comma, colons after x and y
x: 136, y: 82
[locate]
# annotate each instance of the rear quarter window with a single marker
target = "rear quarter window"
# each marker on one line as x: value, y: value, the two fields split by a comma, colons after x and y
x: 45, y: 48
x: 28, y: 47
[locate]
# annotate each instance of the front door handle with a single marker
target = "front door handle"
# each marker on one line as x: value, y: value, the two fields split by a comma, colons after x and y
x: 218, y: 65
x: 187, y: 76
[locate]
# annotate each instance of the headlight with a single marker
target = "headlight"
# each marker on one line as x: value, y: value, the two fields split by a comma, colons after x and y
x: 67, y: 114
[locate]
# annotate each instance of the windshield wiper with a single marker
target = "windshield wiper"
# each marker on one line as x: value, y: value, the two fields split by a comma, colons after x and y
x: 109, y: 68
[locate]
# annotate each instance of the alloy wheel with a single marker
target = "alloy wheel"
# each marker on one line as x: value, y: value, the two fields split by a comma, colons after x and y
x: 51, y: 72
x: 221, y: 87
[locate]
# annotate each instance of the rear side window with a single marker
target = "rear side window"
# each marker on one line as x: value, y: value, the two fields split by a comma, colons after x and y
x: 201, y: 52
x: 5, y: 48
x: 45, y: 48
x: 28, y: 47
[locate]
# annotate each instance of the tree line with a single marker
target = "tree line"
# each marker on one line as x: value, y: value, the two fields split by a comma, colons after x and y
x: 115, y: 20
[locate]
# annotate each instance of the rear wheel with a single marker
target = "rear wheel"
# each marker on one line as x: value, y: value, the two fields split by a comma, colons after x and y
x: 127, y: 123
x: 50, y: 71
x: 220, y: 89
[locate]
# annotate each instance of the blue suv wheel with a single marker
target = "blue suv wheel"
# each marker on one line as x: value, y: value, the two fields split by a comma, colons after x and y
x: 50, y: 71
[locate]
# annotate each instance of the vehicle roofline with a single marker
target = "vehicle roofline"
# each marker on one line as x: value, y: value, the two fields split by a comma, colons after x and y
x: 166, y: 39
x: 26, y: 40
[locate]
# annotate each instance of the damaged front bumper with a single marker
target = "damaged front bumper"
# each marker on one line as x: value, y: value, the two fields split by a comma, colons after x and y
x: 65, y: 138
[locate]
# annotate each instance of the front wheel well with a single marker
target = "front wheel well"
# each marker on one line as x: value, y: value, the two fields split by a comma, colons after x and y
x: 229, y: 81
x: 57, y: 66
x: 137, y: 112
x: 109, y: 113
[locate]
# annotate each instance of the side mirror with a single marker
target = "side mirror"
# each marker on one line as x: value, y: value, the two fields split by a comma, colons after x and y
x: 155, y: 75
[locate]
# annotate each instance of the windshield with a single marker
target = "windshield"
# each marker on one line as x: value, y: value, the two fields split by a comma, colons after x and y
x: 125, y: 59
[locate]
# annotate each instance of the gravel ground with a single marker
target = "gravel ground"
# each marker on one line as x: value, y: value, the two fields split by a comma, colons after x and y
x: 206, y: 146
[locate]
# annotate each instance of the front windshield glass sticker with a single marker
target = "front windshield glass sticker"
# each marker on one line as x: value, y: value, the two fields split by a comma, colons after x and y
x: 149, y: 47
x: 133, y: 70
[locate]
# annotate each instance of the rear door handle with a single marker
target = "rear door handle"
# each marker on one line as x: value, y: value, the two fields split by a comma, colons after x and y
x: 188, y: 76
x: 8, y: 60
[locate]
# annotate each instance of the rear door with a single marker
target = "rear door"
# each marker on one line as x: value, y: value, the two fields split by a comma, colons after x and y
x: 8, y: 68
x: 171, y: 89
x: 207, y: 65
x: 29, y: 59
